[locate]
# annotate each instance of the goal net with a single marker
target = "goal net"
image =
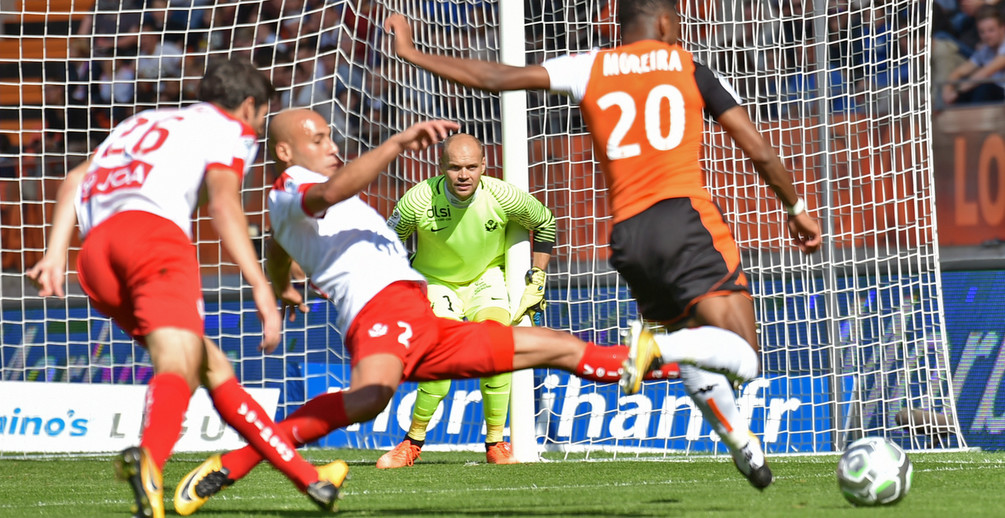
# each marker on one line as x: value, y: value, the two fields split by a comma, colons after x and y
x: 852, y: 338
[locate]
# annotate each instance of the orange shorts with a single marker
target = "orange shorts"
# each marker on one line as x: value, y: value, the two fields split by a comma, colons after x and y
x: 141, y: 270
x: 399, y: 321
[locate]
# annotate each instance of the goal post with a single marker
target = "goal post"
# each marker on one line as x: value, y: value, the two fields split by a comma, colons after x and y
x: 852, y: 339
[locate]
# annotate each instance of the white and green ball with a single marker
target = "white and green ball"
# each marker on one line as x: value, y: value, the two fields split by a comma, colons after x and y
x: 874, y: 471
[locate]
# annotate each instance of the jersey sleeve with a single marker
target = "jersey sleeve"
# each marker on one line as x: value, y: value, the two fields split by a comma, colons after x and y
x: 405, y: 216
x: 288, y: 195
x: 569, y: 74
x: 528, y: 212
x: 229, y: 146
x: 719, y: 96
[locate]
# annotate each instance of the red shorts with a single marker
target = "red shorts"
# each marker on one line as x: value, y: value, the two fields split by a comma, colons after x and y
x: 141, y: 270
x: 399, y: 321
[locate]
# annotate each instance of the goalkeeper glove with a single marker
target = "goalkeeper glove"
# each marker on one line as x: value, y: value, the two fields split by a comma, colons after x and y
x: 532, y: 301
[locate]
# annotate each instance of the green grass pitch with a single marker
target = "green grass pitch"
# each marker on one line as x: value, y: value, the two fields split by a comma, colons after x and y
x: 461, y: 484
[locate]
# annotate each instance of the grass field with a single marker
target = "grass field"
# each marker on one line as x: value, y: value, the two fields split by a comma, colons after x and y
x: 461, y: 484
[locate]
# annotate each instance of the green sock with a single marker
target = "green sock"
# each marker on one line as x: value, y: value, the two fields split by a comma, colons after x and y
x: 426, y: 400
x: 495, y: 401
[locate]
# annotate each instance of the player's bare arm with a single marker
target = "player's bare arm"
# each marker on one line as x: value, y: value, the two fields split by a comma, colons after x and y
x: 803, y: 228
x: 227, y: 216
x: 48, y: 274
x: 279, y: 269
x: 355, y: 176
x: 485, y: 75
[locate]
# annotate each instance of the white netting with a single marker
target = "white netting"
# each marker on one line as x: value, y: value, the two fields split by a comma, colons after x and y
x: 852, y: 337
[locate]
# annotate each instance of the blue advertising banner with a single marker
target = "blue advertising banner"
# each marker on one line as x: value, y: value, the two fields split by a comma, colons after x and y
x: 73, y: 345
x: 975, y: 326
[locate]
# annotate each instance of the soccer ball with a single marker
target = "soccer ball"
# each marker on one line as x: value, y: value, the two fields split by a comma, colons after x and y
x: 874, y: 471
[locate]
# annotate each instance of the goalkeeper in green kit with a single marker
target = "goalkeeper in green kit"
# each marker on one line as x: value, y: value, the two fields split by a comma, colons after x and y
x: 459, y: 219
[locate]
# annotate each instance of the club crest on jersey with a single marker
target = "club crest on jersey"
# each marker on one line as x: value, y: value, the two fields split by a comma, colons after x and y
x: 491, y: 225
x: 377, y: 330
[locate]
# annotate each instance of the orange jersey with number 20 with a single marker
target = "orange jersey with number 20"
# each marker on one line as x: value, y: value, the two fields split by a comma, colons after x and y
x: 644, y: 110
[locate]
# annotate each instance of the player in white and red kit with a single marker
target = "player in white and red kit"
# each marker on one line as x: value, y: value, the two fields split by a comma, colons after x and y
x: 643, y: 102
x: 383, y: 313
x: 134, y: 200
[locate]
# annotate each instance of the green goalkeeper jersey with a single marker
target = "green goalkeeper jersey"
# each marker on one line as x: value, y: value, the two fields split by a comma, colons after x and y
x: 456, y: 241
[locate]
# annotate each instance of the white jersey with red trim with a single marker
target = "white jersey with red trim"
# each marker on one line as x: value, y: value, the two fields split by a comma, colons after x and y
x: 348, y: 251
x: 155, y: 161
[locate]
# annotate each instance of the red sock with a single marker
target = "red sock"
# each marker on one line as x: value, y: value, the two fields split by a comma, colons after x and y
x: 601, y: 363
x: 167, y: 401
x: 239, y: 410
x: 667, y: 371
x: 315, y: 419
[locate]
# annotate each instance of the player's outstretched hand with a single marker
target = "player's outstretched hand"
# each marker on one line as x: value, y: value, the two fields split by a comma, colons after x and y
x: 272, y: 321
x: 805, y: 232
x: 290, y: 300
x: 424, y: 134
x: 48, y: 276
x: 397, y: 26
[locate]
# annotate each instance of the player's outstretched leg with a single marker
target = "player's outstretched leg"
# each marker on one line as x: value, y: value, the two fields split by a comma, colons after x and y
x: 643, y: 355
x: 198, y: 485
x: 327, y: 490
x: 710, y: 348
x: 210, y: 477
x: 133, y: 465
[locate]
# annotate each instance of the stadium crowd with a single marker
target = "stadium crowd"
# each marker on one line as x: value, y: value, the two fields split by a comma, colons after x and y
x: 129, y: 55
x: 134, y: 54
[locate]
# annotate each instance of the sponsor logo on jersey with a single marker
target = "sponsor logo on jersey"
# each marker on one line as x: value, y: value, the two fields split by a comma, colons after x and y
x: 491, y: 225
x: 438, y: 213
x: 393, y: 221
x: 377, y: 330
x: 104, y: 180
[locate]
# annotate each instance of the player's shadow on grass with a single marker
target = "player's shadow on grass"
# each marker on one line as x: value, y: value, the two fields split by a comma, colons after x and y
x: 564, y: 510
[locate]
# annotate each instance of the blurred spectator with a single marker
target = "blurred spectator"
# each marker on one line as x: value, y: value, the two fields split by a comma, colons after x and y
x: 309, y: 86
x: 110, y: 19
x: 54, y: 116
x: 158, y: 56
x: 982, y: 77
x: 8, y: 160
x: 213, y: 28
x: 964, y: 22
x: 116, y: 88
x: 946, y: 54
x: 172, y: 24
x: 192, y: 71
x: 81, y: 74
x: 796, y: 32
